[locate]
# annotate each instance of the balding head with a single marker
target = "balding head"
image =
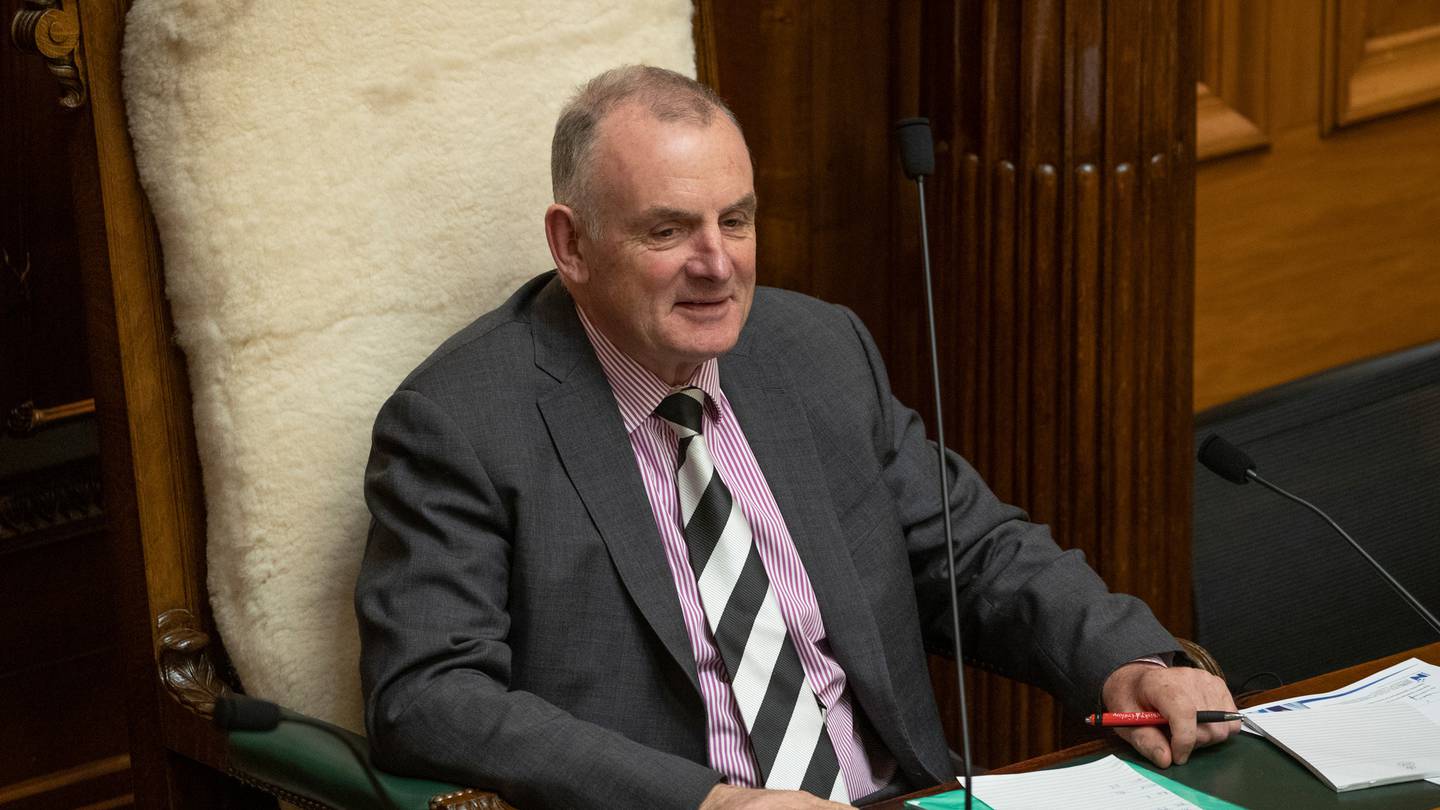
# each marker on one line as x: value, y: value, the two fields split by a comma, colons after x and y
x: 665, y: 94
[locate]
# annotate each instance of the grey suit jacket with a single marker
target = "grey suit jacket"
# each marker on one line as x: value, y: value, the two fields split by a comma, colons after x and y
x: 519, y: 625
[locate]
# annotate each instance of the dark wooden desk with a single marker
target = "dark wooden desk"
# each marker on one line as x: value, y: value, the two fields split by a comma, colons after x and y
x: 1278, y: 766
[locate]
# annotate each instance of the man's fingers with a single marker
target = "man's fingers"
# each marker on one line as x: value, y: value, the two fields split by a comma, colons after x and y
x: 1231, y: 728
x: 1217, y: 696
x: 1149, y: 741
x: 1176, y: 693
x: 1212, y: 694
x: 1171, y: 695
x: 1183, y: 735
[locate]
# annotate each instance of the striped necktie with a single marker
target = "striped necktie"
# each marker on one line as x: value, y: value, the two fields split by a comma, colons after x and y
x: 781, y: 712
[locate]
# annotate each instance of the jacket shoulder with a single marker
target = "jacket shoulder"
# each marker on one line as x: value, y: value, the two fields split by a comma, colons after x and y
x: 788, y: 315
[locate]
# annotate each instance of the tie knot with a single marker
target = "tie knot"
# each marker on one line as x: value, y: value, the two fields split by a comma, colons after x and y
x: 683, y: 410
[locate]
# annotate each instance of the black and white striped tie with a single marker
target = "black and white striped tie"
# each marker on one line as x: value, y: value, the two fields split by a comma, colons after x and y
x: 781, y: 712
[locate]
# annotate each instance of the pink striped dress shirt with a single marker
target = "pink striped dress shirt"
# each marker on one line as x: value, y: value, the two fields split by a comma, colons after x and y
x: 637, y: 392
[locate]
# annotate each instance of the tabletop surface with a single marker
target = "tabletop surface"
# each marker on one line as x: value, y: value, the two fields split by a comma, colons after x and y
x: 1246, y: 770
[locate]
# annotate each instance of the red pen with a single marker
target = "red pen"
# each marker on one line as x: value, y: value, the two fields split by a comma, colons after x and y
x: 1123, y: 719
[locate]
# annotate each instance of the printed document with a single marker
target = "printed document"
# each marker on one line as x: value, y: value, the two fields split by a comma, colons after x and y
x: 1105, y: 784
x: 1354, y: 746
x: 1411, y: 682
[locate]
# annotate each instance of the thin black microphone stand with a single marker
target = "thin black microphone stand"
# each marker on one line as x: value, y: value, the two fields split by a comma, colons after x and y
x: 945, y: 496
x: 1380, y: 569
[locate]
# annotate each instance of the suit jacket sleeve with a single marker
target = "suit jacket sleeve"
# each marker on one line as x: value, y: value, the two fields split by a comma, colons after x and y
x: 1030, y: 610
x: 431, y: 599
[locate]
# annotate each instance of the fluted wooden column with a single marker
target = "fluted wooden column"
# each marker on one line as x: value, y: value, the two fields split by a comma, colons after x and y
x: 1062, y: 222
x: 1064, y: 216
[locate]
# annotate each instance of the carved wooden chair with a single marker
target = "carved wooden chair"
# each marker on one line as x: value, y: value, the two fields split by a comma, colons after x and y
x: 163, y: 521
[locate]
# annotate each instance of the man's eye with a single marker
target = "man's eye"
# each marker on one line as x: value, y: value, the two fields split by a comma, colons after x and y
x: 665, y: 233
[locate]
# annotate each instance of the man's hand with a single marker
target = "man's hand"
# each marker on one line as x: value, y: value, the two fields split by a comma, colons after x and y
x: 1177, y: 693
x: 729, y: 797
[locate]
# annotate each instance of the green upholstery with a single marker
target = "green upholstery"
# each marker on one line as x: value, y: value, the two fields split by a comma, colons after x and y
x: 308, y: 763
x: 1255, y: 774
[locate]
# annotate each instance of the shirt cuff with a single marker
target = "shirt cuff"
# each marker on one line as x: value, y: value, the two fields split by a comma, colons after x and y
x: 1163, y: 659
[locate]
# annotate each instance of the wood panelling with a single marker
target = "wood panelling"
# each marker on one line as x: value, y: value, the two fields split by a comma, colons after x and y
x: 1381, y: 56
x: 1068, y: 230
x: 1232, y: 97
x: 59, y: 663
x: 1292, y: 63
x: 1322, y: 249
x: 1320, y: 253
x: 1060, y: 215
x: 71, y: 786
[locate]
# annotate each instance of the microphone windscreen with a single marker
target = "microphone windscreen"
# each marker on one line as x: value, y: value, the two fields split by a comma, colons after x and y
x: 917, y: 148
x: 1225, y: 459
x: 246, y: 714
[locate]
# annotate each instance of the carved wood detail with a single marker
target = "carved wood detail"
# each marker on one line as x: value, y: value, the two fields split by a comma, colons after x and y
x: 1232, y: 102
x: 185, y: 666
x: 1368, y: 72
x: 1066, y: 233
x: 51, y: 28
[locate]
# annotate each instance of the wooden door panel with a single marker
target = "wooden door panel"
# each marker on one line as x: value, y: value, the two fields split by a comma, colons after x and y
x: 1322, y: 249
x: 1232, y: 97
x: 1381, y: 57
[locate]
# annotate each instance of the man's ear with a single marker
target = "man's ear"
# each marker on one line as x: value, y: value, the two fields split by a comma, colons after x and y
x: 562, y: 232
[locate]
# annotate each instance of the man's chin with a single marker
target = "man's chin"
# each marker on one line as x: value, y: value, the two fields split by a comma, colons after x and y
x: 697, y: 349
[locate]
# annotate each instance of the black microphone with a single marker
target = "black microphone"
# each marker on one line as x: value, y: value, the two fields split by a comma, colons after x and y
x: 240, y: 713
x: 917, y: 148
x: 917, y: 158
x: 1231, y: 463
x: 1225, y: 459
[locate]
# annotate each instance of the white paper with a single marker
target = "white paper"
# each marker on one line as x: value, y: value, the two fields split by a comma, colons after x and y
x: 1412, y: 682
x: 1353, y: 746
x: 1105, y: 784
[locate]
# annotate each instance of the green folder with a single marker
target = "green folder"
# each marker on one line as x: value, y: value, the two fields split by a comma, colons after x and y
x: 955, y: 799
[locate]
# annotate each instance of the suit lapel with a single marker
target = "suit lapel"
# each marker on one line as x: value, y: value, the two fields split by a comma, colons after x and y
x: 767, y: 404
x: 584, y: 423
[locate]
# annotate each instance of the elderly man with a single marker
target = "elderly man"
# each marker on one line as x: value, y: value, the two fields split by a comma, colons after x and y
x: 648, y: 536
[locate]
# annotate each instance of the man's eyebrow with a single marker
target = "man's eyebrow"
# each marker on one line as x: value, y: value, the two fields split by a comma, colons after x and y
x: 661, y: 213
x: 746, y: 204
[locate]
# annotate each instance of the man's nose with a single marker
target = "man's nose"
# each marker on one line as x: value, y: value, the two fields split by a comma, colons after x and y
x: 708, y: 258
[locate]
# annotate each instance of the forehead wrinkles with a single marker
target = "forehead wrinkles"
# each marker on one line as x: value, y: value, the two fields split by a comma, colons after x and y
x: 635, y: 152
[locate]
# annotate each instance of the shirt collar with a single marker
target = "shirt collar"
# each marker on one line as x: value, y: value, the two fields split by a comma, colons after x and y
x: 638, y: 390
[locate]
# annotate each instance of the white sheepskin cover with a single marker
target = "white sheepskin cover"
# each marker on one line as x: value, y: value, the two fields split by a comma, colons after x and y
x: 339, y: 185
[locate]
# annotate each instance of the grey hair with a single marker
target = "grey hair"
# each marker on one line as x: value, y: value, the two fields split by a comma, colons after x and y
x: 669, y: 96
